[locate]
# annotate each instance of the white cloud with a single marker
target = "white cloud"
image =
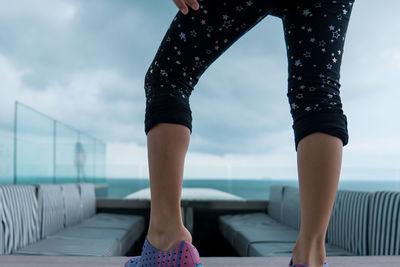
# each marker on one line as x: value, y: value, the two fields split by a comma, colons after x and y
x: 396, y: 56
x: 11, y: 84
x: 83, y: 102
x: 127, y: 160
x: 49, y: 12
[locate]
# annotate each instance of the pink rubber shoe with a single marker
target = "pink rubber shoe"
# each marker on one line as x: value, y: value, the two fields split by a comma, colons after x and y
x: 183, y: 255
x: 304, y: 265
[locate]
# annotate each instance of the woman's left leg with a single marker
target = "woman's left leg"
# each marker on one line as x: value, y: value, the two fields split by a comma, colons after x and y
x: 190, y: 45
x: 315, y: 34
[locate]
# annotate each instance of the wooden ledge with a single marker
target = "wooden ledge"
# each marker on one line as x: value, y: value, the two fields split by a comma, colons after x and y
x: 79, y: 261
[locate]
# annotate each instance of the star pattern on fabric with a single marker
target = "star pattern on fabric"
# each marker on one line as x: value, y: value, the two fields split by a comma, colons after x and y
x: 317, y: 5
x: 182, y: 36
x: 297, y: 63
x: 226, y: 24
x: 335, y: 34
x: 315, y: 44
x: 307, y: 13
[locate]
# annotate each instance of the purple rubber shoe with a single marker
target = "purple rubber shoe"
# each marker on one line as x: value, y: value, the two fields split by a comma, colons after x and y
x: 183, y: 255
x: 304, y: 265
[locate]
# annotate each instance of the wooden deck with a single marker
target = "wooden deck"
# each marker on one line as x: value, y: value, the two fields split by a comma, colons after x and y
x: 64, y: 261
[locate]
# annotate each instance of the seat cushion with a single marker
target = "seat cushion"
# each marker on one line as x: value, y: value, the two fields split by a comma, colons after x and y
x: 278, y: 249
x: 132, y: 235
x: 72, y: 247
x: 2, y: 248
x: 77, y: 231
x: 229, y: 224
x: 291, y: 207
x: 274, y: 208
x: 51, y: 209
x: 73, y: 204
x: 125, y: 237
x: 20, y: 217
x: 111, y: 220
x: 348, y: 224
x: 244, y: 229
x: 88, y: 200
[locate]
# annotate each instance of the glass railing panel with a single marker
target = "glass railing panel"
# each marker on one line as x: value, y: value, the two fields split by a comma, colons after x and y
x: 67, y: 157
x: 6, y: 158
x: 49, y: 151
x: 100, y: 165
x: 87, y: 153
x: 34, y: 147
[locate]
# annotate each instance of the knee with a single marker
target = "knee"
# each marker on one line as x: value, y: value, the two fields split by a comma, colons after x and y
x: 163, y: 79
x: 316, y: 106
x: 167, y: 99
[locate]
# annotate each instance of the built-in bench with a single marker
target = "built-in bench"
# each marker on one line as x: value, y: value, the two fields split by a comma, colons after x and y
x: 362, y: 223
x: 61, y: 219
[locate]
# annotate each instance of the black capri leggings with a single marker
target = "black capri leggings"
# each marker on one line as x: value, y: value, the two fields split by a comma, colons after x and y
x: 314, y: 34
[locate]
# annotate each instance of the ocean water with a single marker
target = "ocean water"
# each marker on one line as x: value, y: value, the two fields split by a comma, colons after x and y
x: 251, y: 189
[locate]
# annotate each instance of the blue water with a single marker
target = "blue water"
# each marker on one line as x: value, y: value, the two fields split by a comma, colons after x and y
x: 251, y: 189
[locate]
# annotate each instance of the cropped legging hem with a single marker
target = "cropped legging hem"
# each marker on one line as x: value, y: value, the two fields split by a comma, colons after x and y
x: 169, y: 110
x: 334, y: 124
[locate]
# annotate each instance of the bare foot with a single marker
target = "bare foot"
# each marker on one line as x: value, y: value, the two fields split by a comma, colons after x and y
x: 169, y: 239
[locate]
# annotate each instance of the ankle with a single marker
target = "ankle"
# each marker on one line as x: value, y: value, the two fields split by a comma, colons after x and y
x: 311, y: 252
x: 167, y: 239
x: 309, y: 246
x: 165, y: 226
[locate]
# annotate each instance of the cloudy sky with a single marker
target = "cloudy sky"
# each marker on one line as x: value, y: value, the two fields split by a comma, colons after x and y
x: 83, y: 63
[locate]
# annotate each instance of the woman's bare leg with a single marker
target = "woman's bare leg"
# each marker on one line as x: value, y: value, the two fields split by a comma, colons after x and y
x: 167, y: 144
x: 319, y: 159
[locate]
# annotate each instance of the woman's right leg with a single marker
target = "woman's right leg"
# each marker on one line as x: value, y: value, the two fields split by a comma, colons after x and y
x: 315, y: 35
x: 190, y: 45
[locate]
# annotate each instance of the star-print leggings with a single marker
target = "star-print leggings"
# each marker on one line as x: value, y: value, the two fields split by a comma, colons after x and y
x: 314, y: 34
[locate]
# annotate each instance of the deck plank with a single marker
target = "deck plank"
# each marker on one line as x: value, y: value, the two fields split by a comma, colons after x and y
x: 76, y: 261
